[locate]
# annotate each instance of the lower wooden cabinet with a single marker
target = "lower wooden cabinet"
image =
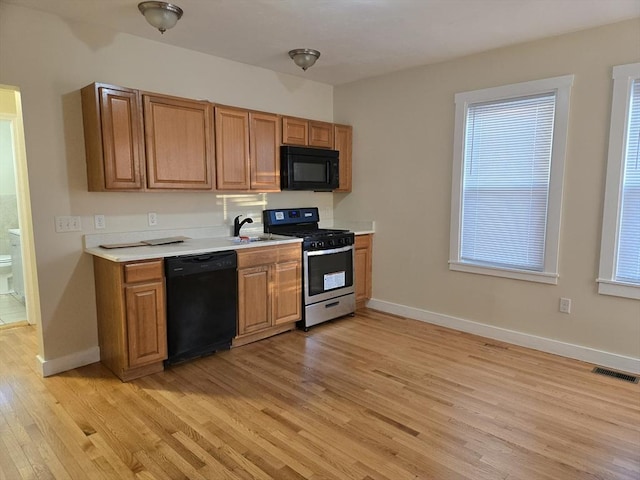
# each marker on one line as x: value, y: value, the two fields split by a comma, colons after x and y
x: 269, y: 289
x: 287, y: 287
x: 254, y: 299
x: 132, y: 321
x: 131, y: 305
x: 363, y: 268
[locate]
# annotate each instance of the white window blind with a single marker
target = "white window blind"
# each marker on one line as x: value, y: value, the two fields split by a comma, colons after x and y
x: 628, y: 245
x: 505, y: 184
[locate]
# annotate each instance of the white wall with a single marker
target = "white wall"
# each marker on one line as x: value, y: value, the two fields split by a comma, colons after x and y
x: 50, y: 59
x: 403, y: 142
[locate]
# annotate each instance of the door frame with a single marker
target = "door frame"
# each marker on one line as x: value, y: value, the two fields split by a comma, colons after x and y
x: 27, y: 243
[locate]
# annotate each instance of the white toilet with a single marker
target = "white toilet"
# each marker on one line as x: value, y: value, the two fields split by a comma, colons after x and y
x: 5, y: 274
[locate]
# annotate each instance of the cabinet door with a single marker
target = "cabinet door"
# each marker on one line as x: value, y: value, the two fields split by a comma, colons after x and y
x: 320, y: 134
x: 254, y: 299
x: 146, y: 323
x: 287, y: 302
x: 179, y: 143
x: 232, y: 149
x: 264, y: 131
x: 363, y: 264
x: 342, y: 137
x: 295, y: 131
x: 112, y: 119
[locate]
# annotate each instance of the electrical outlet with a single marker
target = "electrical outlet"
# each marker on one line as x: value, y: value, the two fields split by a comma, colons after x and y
x: 68, y: 224
x: 153, y: 219
x: 565, y: 305
x: 99, y: 221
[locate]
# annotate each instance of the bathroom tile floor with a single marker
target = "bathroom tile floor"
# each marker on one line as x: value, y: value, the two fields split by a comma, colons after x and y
x: 11, y: 310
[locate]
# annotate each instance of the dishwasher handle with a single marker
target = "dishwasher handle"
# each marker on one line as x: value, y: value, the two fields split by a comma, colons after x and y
x: 201, y: 258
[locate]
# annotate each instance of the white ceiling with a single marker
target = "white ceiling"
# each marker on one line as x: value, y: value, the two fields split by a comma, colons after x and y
x: 357, y: 38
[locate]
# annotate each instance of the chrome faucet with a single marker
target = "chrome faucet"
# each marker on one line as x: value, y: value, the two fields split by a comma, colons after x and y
x: 237, y: 224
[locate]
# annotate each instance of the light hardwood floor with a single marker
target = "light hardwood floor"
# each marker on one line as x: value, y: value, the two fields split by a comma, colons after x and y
x: 370, y: 397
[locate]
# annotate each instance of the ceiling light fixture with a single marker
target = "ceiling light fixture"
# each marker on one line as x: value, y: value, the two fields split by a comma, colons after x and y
x: 304, y: 57
x: 161, y: 15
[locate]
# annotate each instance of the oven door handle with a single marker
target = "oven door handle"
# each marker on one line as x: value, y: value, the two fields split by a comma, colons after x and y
x: 328, y: 252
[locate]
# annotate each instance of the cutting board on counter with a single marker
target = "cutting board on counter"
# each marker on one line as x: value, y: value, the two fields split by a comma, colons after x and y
x: 145, y: 243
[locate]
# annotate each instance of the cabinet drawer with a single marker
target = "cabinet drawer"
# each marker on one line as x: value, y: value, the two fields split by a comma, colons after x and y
x: 363, y: 241
x: 252, y: 257
x: 141, y: 272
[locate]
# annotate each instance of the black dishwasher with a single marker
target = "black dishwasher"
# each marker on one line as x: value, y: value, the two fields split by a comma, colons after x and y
x: 202, y: 292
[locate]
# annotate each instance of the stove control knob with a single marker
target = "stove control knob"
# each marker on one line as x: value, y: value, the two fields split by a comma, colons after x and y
x: 312, y: 244
x: 320, y: 244
x: 341, y: 241
x: 332, y: 243
x: 348, y: 240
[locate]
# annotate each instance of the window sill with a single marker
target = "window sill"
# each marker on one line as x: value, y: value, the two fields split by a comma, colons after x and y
x: 618, y: 289
x: 538, y: 277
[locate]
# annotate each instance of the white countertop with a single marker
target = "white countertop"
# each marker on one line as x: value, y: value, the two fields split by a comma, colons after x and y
x: 200, y: 240
x: 192, y: 246
x: 357, y: 227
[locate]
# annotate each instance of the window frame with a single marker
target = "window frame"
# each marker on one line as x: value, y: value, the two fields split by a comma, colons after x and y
x: 561, y: 86
x: 623, y: 77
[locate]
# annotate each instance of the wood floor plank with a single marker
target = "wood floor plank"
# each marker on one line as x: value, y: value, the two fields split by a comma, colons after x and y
x: 373, y: 397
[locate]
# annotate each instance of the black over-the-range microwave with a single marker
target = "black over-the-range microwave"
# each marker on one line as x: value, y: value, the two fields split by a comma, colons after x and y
x: 304, y: 168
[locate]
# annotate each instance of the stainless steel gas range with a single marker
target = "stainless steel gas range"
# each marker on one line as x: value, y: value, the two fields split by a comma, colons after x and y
x: 327, y: 256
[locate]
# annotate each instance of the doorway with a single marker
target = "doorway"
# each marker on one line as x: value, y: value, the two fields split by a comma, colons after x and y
x: 19, y: 299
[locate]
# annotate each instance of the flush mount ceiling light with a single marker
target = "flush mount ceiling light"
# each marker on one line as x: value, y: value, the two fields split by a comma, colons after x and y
x: 161, y: 15
x: 304, y: 57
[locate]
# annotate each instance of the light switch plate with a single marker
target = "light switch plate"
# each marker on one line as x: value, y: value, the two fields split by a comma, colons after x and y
x: 68, y: 224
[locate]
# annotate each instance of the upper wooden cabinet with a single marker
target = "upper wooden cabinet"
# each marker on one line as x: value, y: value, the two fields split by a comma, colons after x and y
x: 320, y: 134
x: 112, y: 118
x: 295, y: 131
x: 136, y: 142
x: 232, y: 148
x: 307, y: 133
x: 343, y: 138
x: 142, y: 141
x: 264, y: 135
x: 179, y: 143
x: 247, y: 150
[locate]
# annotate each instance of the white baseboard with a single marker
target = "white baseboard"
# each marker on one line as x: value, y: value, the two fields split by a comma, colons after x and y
x: 68, y: 362
x: 578, y: 352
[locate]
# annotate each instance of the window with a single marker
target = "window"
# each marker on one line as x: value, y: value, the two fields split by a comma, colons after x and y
x: 509, y: 151
x: 620, y: 247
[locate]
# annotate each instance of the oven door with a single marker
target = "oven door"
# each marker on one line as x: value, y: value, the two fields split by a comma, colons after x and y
x: 327, y: 274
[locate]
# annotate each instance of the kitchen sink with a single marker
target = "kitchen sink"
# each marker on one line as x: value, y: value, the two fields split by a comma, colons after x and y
x: 244, y: 239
